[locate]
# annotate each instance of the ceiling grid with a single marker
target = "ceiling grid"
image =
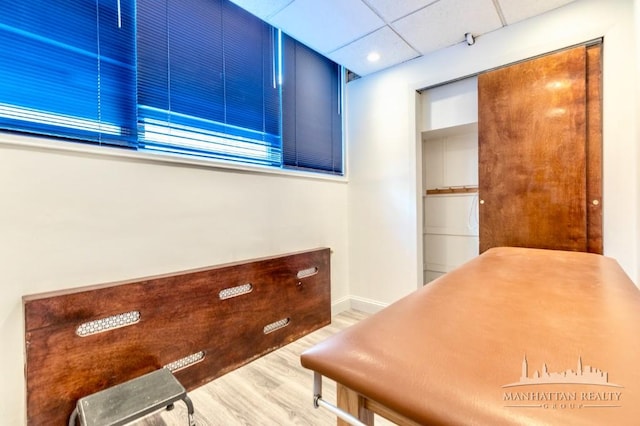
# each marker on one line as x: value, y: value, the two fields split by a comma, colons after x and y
x: 347, y: 31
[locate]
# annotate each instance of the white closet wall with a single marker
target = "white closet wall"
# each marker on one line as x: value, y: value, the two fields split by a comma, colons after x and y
x: 449, y: 176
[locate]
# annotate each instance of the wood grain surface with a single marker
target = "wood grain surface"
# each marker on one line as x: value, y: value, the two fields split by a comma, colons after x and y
x: 532, y: 153
x: 180, y: 315
x: 594, y: 149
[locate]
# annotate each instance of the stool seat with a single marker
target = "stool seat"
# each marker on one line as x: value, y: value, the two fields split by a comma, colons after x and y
x: 128, y: 401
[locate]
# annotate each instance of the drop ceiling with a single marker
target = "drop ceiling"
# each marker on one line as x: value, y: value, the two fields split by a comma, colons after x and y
x: 347, y: 31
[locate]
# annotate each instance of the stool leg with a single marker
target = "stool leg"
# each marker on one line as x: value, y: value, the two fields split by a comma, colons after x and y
x: 74, y: 417
x: 190, y: 410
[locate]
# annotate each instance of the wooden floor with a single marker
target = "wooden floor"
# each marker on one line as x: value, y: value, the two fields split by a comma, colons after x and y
x: 272, y: 390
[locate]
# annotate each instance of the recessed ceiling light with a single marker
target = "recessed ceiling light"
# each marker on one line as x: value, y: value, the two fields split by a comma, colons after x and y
x: 373, y: 56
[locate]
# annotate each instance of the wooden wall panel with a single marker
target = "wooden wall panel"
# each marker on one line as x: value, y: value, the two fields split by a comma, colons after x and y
x: 532, y: 153
x: 180, y: 315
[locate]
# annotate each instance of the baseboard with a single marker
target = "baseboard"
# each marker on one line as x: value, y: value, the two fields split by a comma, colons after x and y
x: 361, y: 304
x: 367, y: 305
x: 340, y: 305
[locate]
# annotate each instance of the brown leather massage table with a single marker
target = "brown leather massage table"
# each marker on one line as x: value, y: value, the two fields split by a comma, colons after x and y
x: 514, y: 337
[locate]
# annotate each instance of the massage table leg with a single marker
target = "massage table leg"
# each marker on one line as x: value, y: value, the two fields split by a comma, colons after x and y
x: 354, y: 404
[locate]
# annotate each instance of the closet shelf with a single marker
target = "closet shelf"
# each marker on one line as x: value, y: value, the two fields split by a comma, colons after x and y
x: 453, y: 190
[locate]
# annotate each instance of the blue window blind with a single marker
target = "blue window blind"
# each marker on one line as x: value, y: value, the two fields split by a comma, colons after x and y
x: 67, y: 68
x: 312, y: 110
x: 207, y: 81
x: 193, y: 77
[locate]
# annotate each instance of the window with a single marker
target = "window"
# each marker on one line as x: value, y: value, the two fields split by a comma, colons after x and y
x: 207, y: 81
x: 312, y: 103
x: 68, y: 69
x: 187, y: 77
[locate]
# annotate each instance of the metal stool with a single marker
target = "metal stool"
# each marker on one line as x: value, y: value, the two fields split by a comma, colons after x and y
x: 131, y: 400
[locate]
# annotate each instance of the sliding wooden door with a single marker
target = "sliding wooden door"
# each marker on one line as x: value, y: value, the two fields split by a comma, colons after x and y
x: 540, y: 153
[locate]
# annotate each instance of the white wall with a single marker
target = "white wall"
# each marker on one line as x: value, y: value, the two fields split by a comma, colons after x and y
x: 74, y: 219
x: 636, y: 7
x: 384, y: 208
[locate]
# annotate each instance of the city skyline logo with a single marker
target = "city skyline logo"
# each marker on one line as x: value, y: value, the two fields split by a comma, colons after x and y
x: 550, y: 397
x: 587, y: 375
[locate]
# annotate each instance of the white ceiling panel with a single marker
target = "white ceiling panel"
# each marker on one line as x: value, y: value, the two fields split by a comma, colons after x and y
x: 445, y: 23
x: 328, y: 24
x: 518, y: 10
x: 347, y: 30
x: 390, y: 10
x: 392, y: 49
x: 263, y: 9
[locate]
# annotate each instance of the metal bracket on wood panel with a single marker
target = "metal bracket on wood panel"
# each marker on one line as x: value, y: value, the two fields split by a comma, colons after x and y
x: 319, y: 402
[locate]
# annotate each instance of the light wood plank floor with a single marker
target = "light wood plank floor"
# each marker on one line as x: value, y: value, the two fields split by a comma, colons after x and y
x: 272, y: 390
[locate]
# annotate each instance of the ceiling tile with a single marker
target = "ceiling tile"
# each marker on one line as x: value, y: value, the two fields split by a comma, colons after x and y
x: 328, y: 24
x: 393, y: 50
x: 347, y: 30
x: 445, y: 23
x: 263, y: 9
x: 518, y: 10
x: 390, y: 10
